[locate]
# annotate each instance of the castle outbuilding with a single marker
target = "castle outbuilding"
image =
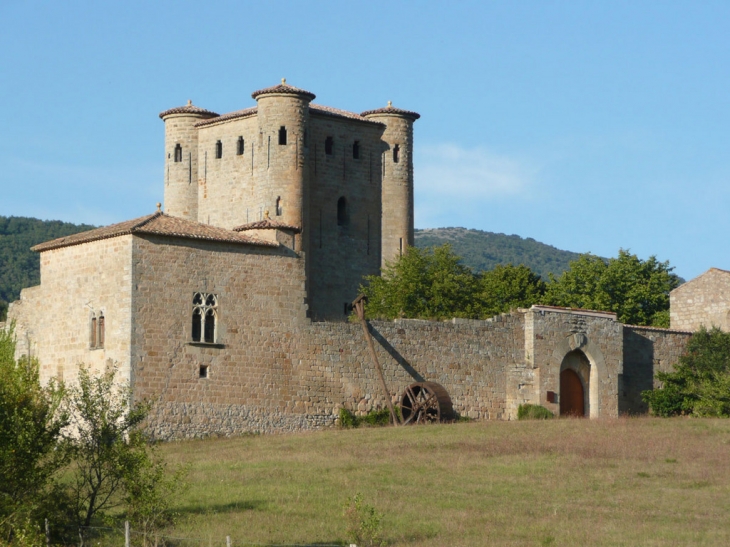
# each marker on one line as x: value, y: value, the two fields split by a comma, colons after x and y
x: 229, y: 309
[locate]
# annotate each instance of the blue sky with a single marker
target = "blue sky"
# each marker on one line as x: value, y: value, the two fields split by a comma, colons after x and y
x: 591, y: 126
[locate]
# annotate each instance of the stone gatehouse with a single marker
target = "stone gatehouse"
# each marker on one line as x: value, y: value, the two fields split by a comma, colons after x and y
x: 230, y: 308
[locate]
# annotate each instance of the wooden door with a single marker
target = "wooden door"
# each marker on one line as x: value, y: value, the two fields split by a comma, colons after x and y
x: 571, y: 394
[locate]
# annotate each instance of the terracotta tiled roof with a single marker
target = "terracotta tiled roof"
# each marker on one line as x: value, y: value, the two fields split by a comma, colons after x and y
x: 245, y: 113
x: 390, y: 109
x: 189, y: 108
x: 159, y: 224
x: 267, y: 224
x: 284, y: 88
x: 337, y: 113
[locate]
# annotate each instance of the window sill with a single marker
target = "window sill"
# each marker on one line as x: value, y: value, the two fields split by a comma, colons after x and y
x: 206, y: 345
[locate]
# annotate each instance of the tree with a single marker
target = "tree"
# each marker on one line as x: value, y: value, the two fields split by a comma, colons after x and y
x: 107, y: 449
x: 30, y: 427
x: 636, y: 290
x: 700, y: 384
x: 507, y: 287
x: 424, y: 283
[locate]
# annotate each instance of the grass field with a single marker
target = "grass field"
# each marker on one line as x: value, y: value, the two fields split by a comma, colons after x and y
x: 630, y: 482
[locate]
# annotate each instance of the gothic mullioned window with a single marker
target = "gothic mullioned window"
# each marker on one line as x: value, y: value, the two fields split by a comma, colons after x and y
x: 282, y: 135
x: 396, y: 153
x: 205, y: 317
x: 356, y: 150
x: 329, y: 145
x: 239, y: 146
x: 178, y: 153
x: 218, y: 150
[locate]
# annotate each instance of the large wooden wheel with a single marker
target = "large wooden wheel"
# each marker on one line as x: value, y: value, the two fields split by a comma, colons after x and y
x: 425, y: 402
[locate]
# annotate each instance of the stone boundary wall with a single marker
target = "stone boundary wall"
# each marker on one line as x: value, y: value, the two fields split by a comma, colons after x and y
x: 647, y: 351
x: 322, y: 367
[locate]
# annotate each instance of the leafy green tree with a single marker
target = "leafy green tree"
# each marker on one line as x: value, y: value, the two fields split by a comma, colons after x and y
x: 700, y: 384
x: 30, y: 428
x: 507, y: 287
x: 107, y: 448
x: 636, y: 290
x: 424, y: 283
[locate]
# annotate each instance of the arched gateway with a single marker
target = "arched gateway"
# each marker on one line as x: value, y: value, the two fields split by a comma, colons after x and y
x: 571, y: 394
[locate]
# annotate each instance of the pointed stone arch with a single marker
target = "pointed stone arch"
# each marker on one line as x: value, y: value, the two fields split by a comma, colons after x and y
x: 580, y: 342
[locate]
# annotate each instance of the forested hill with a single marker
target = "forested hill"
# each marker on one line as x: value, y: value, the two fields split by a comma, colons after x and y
x: 19, y: 266
x: 484, y: 250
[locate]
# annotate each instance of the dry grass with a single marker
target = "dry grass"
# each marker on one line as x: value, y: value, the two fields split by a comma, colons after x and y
x: 557, y: 482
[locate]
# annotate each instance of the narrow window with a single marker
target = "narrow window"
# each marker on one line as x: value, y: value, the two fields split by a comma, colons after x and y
x: 306, y: 139
x: 342, y: 212
x: 100, y: 338
x: 196, y: 325
x: 239, y: 146
x: 278, y: 207
x: 203, y: 371
x: 92, y: 341
x: 218, y: 150
x: 396, y: 153
x: 329, y: 144
x: 178, y: 153
x: 356, y: 150
x: 209, y: 327
x: 282, y: 135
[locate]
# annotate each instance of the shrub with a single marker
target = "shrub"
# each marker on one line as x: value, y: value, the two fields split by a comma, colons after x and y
x: 363, y: 523
x: 374, y: 418
x: 533, y: 412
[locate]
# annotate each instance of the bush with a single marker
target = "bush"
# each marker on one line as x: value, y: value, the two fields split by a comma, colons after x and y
x: 533, y: 412
x: 363, y: 523
x: 700, y: 384
x: 374, y: 418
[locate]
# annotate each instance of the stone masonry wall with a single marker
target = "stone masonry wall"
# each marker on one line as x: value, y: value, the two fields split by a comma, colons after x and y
x: 76, y: 281
x: 704, y: 300
x: 647, y: 351
x: 340, y: 255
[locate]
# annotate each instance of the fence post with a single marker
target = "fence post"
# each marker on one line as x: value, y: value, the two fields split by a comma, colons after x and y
x: 48, y: 534
x: 228, y: 541
x: 126, y: 533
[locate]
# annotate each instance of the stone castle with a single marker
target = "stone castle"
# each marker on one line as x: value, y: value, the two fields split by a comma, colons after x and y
x: 230, y: 308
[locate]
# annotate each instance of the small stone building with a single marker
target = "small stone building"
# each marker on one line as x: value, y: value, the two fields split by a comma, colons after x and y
x: 703, y: 301
x: 230, y: 308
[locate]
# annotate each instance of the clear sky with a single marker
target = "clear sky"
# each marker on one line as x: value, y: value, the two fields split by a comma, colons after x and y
x: 591, y: 126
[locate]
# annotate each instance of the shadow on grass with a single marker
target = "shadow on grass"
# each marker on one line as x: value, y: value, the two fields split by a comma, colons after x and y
x: 232, y: 507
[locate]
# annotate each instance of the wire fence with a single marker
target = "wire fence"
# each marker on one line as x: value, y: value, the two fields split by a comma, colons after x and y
x: 100, y: 536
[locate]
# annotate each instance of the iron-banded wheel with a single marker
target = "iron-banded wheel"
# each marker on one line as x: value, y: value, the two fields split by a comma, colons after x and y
x: 425, y: 402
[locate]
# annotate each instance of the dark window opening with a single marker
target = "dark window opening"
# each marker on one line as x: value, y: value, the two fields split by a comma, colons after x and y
x: 203, y: 371
x: 342, y: 212
x: 100, y: 338
x: 209, y: 327
x: 396, y: 153
x: 282, y: 135
x: 93, y: 332
x: 196, y: 325
x: 218, y: 150
x: 306, y: 139
x: 178, y: 153
x: 239, y: 146
x: 278, y: 207
x: 329, y: 144
x: 356, y: 150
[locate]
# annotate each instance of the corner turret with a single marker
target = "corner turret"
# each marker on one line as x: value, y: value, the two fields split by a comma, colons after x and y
x: 181, y: 159
x: 397, y: 189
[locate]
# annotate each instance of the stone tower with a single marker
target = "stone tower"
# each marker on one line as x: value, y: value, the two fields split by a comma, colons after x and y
x: 397, y: 188
x: 181, y: 159
x: 283, y: 118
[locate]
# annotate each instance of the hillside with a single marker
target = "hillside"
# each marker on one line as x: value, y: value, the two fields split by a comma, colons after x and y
x: 19, y: 266
x: 484, y: 250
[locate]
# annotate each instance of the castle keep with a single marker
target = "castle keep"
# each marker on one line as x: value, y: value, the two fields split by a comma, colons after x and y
x: 229, y: 309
